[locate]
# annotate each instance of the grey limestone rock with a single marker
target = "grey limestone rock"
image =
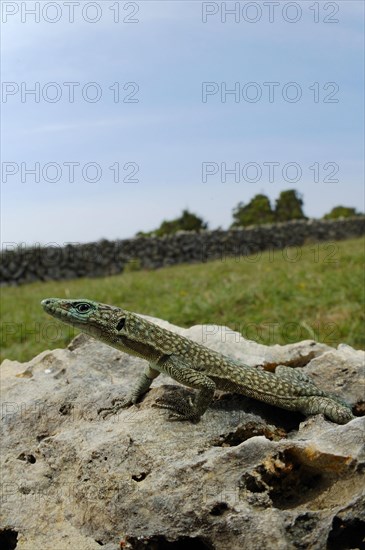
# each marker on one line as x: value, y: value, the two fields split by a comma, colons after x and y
x: 247, y: 476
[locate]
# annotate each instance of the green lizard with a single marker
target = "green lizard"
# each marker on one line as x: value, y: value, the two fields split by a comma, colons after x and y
x: 192, y: 364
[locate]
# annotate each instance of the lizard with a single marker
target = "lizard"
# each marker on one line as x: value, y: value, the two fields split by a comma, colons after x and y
x: 192, y: 365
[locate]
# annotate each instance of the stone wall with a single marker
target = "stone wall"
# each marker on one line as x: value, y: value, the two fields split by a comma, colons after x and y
x: 24, y: 265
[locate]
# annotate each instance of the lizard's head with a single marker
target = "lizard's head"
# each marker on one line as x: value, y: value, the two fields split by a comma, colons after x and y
x: 91, y: 317
x: 76, y: 310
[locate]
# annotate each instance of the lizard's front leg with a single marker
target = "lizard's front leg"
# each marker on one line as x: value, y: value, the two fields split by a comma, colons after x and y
x: 142, y: 386
x: 186, y: 409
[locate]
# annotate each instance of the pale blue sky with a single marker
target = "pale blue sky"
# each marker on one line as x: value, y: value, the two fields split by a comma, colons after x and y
x: 169, y: 132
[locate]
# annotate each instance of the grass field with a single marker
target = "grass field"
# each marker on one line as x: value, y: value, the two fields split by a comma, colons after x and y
x: 315, y: 291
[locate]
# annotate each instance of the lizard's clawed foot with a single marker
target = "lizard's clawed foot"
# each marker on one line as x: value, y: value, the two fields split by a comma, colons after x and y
x: 181, y: 408
x: 118, y: 404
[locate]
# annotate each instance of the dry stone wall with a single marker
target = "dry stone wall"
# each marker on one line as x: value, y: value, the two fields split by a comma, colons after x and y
x: 21, y: 264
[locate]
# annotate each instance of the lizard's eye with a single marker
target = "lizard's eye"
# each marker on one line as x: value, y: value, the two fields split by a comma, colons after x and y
x: 83, y: 308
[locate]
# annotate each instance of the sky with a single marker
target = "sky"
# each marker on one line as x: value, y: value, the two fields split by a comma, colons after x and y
x: 118, y: 115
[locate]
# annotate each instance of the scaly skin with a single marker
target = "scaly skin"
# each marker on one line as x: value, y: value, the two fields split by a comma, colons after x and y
x: 192, y: 364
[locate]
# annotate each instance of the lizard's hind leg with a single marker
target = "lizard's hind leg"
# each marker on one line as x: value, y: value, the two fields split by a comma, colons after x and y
x: 313, y: 400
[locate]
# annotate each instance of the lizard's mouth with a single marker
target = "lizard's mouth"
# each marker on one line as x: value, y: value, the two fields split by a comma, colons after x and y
x: 54, y: 308
x: 51, y: 305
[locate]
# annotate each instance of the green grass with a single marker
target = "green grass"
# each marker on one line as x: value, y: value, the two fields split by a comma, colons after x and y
x: 316, y: 291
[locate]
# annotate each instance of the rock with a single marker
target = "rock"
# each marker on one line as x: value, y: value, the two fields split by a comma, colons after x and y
x: 246, y: 474
x: 335, y: 371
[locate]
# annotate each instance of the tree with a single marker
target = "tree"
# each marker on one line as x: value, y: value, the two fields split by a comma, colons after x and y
x: 257, y: 211
x: 186, y: 222
x: 341, y: 212
x: 289, y: 206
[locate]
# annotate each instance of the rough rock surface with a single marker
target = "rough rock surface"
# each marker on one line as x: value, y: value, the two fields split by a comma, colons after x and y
x: 247, y: 476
